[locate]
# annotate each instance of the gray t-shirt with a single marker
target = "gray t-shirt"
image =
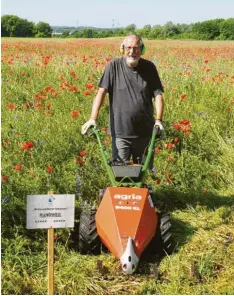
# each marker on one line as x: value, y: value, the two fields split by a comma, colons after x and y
x: 131, y: 91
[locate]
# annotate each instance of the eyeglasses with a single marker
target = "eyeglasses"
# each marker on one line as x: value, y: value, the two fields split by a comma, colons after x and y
x: 134, y: 48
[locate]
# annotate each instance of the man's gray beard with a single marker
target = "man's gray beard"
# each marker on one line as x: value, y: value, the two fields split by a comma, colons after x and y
x: 132, y: 61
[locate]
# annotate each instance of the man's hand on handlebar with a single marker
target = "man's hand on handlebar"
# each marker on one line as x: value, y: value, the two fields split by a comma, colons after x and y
x: 87, y: 125
x: 159, y: 124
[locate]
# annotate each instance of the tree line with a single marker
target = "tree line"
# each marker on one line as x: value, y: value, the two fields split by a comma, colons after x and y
x: 14, y: 26
x: 217, y: 29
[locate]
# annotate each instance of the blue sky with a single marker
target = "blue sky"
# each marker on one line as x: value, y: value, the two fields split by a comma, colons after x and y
x: 119, y: 13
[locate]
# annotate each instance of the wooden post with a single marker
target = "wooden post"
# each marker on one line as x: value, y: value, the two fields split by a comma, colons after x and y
x: 50, y: 260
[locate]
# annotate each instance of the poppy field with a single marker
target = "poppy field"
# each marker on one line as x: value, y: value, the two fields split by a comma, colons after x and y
x: 48, y: 87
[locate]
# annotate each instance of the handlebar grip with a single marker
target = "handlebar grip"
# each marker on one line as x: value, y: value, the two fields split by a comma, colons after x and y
x: 157, y: 130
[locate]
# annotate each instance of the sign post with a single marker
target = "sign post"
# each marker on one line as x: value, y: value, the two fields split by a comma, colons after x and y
x: 50, y: 246
x: 50, y: 211
x: 51, y: 261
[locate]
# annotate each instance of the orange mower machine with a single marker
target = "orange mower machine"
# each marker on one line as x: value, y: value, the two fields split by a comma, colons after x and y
x: 126, y: 221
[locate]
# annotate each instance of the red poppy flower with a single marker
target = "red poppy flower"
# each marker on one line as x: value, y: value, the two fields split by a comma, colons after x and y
x: 48, y: 88
x: 176, y: 126
x: 45, y: 60
x: 47, y: 112
x: 36, y: 105
x: 75, y: 113
x: 82, y: 153
x: 169, y: 145
x: 176, y: 140
x: 26, y: 105
x: 49, y: 170
x: 27, y: 145
x: 170, y: 158
x: 6, y: 143
x: 158, y: 181
x: 184, y: 125
x: 66, y: 83
x: 11, y: 106
x: 87, y: 93
x: 73, y: 88
x: 105, y: 129
x: 89, y: 86
x: 183, y: 97
x: 185, y: 122
x: 186, y: 130
x: 4, y: 178
x: 79, y: 160
x: 156, y: 150
x: 18, y: 167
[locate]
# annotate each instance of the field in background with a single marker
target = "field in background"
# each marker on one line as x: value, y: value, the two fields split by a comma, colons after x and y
x: 47, y: 91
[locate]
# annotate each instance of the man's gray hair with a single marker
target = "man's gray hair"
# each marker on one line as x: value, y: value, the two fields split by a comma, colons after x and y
x: 134, y: 35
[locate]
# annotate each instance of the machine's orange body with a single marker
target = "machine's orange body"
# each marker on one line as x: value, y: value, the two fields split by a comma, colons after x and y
x: 126, y: 212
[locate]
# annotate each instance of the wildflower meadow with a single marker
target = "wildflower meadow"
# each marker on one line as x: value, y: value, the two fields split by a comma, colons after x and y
x: 48, y: 86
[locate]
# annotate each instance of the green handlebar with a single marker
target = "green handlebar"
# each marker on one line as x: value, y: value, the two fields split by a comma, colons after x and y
x: 155, y: 134
x: 103, y: 154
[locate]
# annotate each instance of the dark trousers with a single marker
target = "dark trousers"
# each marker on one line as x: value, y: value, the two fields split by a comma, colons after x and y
x: 125, y: 148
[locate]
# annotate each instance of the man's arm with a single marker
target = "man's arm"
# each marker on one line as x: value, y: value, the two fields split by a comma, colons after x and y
x: 97, y: 103
x: 159, y: 105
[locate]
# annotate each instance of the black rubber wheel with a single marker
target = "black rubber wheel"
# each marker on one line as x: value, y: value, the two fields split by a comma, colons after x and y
x: 89, y: 240
x: 161, y: 243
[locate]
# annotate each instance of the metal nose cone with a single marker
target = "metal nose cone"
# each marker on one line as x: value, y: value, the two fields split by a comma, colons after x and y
x: 129, y: 259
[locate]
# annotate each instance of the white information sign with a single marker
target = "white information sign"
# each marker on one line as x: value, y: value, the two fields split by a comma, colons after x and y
x: 50, y: 211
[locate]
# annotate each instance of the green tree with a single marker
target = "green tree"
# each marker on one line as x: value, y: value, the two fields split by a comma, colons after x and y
x: 65, y: 34
x: 4, y: 31
x: 77, y: 34
x: 43, y: 30
x: 130, y: 29
x: 105, y: 33
x: 13, y: 26
x: 119, y: 32
x: 89, y: 33
x: 207, y: 30
x: 86, y: 33
x: 183, y: 28
x: 170, y: 30
x: 227, y: 29
x: 144, y: 32
x: 156, y: 32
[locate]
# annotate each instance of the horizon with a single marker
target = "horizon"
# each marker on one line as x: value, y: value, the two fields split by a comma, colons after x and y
x: 97, y: 27
x: 109, y: 14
